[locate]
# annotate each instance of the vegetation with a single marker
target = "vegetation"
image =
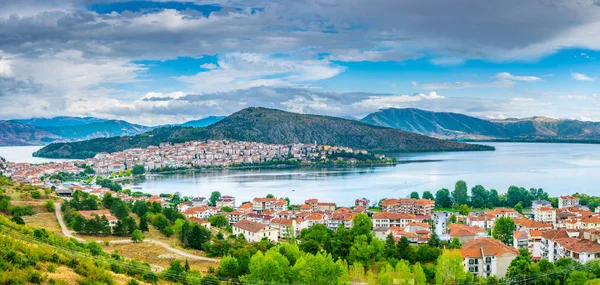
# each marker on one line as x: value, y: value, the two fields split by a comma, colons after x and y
x: 268, y: 126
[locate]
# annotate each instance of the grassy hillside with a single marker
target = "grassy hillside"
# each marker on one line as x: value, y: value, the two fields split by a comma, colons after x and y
x: 269, y: 126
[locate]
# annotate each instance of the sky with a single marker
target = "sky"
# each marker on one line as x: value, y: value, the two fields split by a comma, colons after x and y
x: 164, y: 62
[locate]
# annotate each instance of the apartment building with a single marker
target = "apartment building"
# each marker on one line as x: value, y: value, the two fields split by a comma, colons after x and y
x: 486, y: 256
x: 579, y: 245
x: 567, y: 201
x: 254, y: 232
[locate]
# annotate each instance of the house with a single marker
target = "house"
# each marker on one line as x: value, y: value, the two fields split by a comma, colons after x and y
x: 529, y: 225
x: 386, y: 219
x: 200, y: 221
x: 544, y: 214
x: 316, y: 218
x: 184, y: 206
x: 234, y: 216
x: 520, y: 240
x: 286, y: 228
x: 203, y: 212
x: 420, y: 207
x: 465, y: 233
x: 340, y: 218
x: 199, y: 202
x: 255, y: 232
x: 540, y: 203
x: 246, y: 208
x: 591, y: 223
x: 567, y: 201
x: 261, y: 204
x: 579, y: 245
x: 225, y: 201
x: 486, y: 256
x: 91, y: 214
x: 364, y: 202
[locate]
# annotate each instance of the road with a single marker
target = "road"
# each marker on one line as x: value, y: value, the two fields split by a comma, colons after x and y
x: 69, y: 234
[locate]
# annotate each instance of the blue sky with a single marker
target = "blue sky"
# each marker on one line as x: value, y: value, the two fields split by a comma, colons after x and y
x: 157, y: 62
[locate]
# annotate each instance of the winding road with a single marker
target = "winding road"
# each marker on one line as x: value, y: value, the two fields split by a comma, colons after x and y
x: 69, y: 234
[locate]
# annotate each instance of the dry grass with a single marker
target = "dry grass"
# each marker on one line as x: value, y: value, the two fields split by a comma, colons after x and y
x: 66, y: 275
x: 155, y: 254
x: 45, y: 220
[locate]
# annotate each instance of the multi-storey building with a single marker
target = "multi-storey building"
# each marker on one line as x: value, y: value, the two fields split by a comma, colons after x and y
x: 486, y: 256
x: 419, y: 207
x: 544, y: 214
x: 567, y: 201
x: 386, y: 219
x: 254, y: 232
x: 579, y: 245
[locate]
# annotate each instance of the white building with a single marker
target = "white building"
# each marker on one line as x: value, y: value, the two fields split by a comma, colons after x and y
x: 254, y: 232
x: 578, y: 245
x: 486, y: 257
x: 567, y: 201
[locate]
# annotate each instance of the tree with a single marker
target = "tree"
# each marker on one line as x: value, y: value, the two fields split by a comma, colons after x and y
x: 452, y: 218
x: 428, y: 195
x: 479, y: 196
x: 578, y: 277
x: 228, y: 267
x: 414, y: 195
x: 494, y: 199
x: 443, y: 199
x: 362, y: 225
x: 454, y: 244
x: 464, y: 209
x: 137, y: 236
x: 317, y: 269
x: 267, y: 268
x: 144, y: 223
x: 450, y: 268
x: 390, y: 249
x: 209, y: 279
x: 419, y: 274
x: 219, y: 221
x: 405, y: 250
x: 503, y: 230
x: 138, y: 170
x: 49, y: 206
x: 460, y: 194
x: 519, y: 208
x: 214, y: 196
x: 521, y: 265
x: 270, y: 196
x: 227, y: 209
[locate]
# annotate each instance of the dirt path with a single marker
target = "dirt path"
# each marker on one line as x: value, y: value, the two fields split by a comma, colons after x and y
x: 69, y: 234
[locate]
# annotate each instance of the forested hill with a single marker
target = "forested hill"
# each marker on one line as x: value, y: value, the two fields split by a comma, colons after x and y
x: 269, y: 126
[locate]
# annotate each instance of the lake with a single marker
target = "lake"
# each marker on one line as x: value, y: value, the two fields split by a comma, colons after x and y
x: 557, y: 168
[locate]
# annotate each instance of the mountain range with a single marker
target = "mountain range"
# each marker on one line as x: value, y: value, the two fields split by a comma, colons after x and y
x: 269, y: 126
x: 463, y: 127
x: 41, y: 131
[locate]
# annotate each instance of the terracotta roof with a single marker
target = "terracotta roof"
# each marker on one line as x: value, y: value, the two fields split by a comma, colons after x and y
x: 249, y: 226
x: 315, y: 217
x: 531, y: 224
x: 458, y: 230
x: 418, y: 224
x: 487, y: 246
x: 260, y: 200
x: 393, y: 216
x: 579, y: 245
x: 520, y: 234
x: 246, y: 206
x: 546, y: 208
x: 199, y: 221
x: 568, y: 197
x: 535, y: 233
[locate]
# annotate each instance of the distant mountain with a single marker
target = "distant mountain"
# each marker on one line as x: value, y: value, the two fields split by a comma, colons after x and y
x: 459, y: 126
x: 15, y: 133
x: 104, y: 129
x: 38, y: 131
x: 60, y: 121
x: 204, y: 122
x: 269, y: 126
x: 447, y: 125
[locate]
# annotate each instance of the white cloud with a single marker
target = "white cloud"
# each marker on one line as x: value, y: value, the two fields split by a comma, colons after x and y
x: 503, y: 80
x: 208, y: 66
x: 581, y: 77
x: 246, y: 70
x: 508, y: 76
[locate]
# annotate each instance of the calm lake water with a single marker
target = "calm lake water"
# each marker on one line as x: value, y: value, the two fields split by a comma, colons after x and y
x: 557, y: 168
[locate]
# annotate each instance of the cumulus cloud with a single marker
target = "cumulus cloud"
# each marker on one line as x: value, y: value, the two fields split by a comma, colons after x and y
x: 581, y: 77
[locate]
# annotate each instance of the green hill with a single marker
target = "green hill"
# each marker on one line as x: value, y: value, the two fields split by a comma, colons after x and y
x: 269, y: 126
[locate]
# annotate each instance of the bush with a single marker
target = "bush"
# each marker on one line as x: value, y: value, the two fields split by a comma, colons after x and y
x: 49, y: 205
x: 132, y: 282
x: 51, y: 268
x: 36, y: 194
x: 34, y: 277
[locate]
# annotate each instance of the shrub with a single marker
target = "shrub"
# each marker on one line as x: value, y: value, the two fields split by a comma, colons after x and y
x: 49, y: 205
x: 36, y: 194
x: 51, y: 268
